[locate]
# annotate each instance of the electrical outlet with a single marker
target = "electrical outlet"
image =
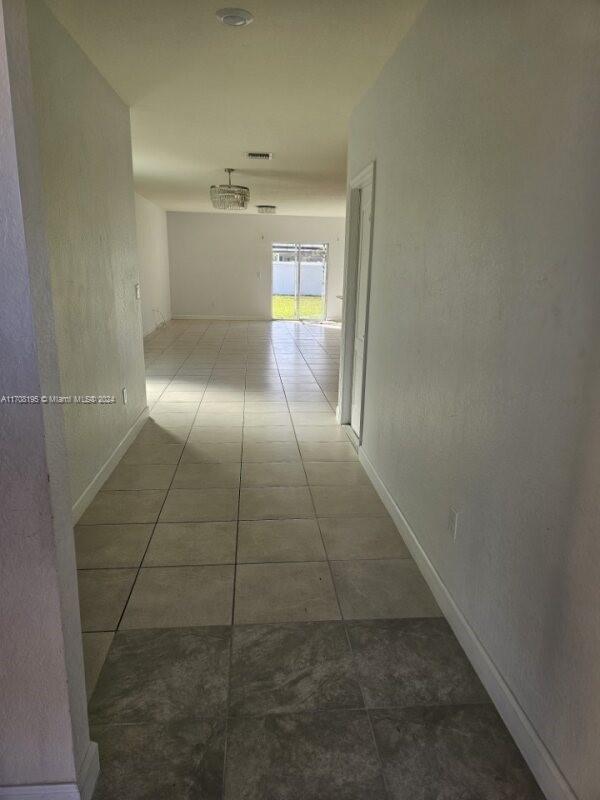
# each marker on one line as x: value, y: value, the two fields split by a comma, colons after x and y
x: 138, y: 292
x: 453, y: 523
x: 124, y: 395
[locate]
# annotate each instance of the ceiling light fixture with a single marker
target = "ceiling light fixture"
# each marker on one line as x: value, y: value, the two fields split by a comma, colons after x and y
x: 263, y: 209
x: 234, y: 17
x: 228, y: 197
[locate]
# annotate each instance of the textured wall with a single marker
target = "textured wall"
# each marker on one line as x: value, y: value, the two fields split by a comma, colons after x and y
x: 153, y: 259
x: 483, y: 380
x: 43, y: 712
x: 216, y: 260
x: 89, y: 204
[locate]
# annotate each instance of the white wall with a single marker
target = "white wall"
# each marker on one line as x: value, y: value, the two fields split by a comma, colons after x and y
x: 221, y: 263
x: 44, y: 735
x: 89, y: 204
x: 153, y: 260
x: 483, y: 378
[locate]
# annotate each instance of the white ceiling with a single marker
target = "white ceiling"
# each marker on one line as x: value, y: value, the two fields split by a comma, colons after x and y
x: 202, y: 94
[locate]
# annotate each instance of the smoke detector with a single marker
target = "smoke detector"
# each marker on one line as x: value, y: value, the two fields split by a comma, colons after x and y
x: 234, y: 17
x: 259, y: 156
x: 264, y: 209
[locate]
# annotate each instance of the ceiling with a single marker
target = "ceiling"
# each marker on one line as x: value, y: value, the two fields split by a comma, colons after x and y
x: 203, y: 94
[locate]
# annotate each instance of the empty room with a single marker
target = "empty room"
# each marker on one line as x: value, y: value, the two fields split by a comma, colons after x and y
x: 300, y: 400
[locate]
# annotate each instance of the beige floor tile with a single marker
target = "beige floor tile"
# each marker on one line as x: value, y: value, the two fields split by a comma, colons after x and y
x: 252, y: 418
x: 140, y: 476
x: 175, y: 597
x: 347, y: 501
x: 218, y: 418
x: 269, y: 433
x: 221, y: 407
x: 332, y: 473
x: 212, y: 453
x: 328, y: 451
x: 155, y: 434
x: 297, y: 592
x: 172, y: 396
x: 192, y: 543
x: 279, y: 540
x: 102, y: 597
x: 271, y: 451
x: 217, y: 434
x: 109, y: 508
x: 276, y: 503
x: 349, y: 538
x: 320, y: 433
x: 207, y: 476
x: 317, y: 407
x: 95, y: 648
x: 168, y: 420
x: 304, y: 396
x: 382, y: 589
x: 166, y: 407
x: 273, y: 473
x: 140, y: 453
x: 310, y: 418
x: 200, y: 505
x: 110, y: 546
x: 266, y: 408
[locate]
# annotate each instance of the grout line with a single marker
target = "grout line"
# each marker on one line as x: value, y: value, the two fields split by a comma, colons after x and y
x: 386, y: 786
x: 139, y: 569
x: 337, y: 599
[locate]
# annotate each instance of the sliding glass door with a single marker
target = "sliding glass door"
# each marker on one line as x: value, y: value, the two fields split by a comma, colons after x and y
x: 299, y: 281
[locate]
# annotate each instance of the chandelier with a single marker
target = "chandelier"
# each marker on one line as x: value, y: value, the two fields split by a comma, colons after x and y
x: 229, y: 197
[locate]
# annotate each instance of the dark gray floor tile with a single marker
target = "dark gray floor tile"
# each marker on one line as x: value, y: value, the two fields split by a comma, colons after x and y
x: 325, y: 755
x: 451, y: 752
x: 163, y: 675
x: 95, y: 648
x: 292, y: 667
x: 412, y: 662
x: 161, y: 762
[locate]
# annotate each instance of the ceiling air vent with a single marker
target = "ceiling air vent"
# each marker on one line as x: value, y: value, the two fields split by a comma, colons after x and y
x: 256, y: 156
x: 264, y: 209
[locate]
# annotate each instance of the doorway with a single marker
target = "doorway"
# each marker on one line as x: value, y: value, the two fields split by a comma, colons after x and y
x: 299, y: 281
x: 356, y: 305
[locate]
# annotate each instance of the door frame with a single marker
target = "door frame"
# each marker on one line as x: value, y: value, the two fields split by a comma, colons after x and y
x: 360, y: 181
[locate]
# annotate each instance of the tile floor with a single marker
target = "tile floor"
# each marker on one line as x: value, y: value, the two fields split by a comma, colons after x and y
x: 254, y: 626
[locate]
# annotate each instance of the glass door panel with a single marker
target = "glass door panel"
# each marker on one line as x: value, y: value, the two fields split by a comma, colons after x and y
x: 299, y: 281
x: 311, y: 281
x: 285, y: 281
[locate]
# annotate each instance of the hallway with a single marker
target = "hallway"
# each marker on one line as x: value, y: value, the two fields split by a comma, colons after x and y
x: 265, y: 631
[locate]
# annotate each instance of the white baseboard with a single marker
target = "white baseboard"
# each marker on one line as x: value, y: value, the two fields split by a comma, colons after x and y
x: 82, y: 790
x: 156, y: 328
x: 88, y: 772
x: 226, y: 318
x: 111, y: 462
x: 547, y: 773
x: 42, y: 791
